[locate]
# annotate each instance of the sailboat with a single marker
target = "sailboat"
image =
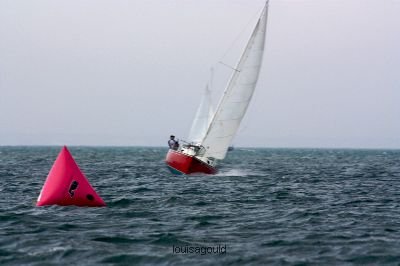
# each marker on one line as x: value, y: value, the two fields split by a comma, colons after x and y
x: 212, y: 132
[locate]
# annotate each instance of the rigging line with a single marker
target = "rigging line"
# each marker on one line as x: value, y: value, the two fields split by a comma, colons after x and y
x: 210, y: 83
x: 222, y: 63
x: 240, y: 34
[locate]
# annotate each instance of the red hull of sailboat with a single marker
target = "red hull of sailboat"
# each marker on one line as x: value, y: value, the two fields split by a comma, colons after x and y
x: 180, y: 163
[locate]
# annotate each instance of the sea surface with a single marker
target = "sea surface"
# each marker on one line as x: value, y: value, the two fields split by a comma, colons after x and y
x: 265, y: 207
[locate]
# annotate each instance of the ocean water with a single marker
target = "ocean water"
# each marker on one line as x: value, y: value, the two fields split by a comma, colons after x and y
x: 266, y: 206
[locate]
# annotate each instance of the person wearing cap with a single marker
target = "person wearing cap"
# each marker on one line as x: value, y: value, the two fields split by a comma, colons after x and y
x: 172, y: 143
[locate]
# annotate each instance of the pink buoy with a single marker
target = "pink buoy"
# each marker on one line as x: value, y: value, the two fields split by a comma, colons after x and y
x: 66, y: 185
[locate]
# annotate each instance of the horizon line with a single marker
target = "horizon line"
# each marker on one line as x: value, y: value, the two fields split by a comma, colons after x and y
x: 166, y: 147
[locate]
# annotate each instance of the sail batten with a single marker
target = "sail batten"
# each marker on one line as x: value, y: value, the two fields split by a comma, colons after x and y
x: 237, y: 95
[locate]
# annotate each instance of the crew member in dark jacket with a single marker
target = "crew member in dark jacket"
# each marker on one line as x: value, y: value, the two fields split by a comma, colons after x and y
x: 172, y: 143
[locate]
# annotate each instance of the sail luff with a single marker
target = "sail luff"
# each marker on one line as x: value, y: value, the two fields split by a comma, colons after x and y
x: 237, y: 94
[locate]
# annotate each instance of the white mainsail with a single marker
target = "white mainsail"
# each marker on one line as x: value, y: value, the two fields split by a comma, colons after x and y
x: 202, y: 119
x: 237, y: 94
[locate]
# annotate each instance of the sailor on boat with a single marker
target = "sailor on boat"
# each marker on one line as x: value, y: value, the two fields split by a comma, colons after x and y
x: 172, y: 143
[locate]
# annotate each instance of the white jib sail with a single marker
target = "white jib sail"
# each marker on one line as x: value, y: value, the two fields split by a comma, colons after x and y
x: 202, y: 119
x: 237, y: 94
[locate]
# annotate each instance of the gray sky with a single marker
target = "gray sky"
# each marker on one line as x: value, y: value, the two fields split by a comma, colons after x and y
x: 118, y: 72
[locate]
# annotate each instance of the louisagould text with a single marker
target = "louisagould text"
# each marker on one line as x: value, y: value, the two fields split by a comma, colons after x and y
x: 201, y: 250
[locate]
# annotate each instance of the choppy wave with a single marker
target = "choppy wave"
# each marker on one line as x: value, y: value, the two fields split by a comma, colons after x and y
x: 235, y: 172
x: 268, y: 206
